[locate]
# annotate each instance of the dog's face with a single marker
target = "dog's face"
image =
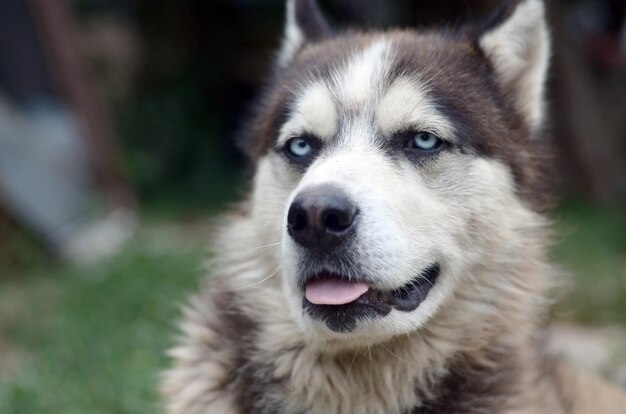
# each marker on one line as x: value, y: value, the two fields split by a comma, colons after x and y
x: 392, y: 166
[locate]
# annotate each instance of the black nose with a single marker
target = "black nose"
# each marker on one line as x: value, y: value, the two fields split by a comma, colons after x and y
x: 321, y: 217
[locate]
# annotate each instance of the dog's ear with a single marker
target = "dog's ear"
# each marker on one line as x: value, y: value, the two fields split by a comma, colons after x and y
x: 516, y: 41
x: 304, y: 23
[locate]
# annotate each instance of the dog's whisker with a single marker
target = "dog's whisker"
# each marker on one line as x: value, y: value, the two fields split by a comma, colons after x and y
x: 422, y: 298
x: 268, y: 245
x: 397, y: 357
x: 421, y: 276
x: 352, y: 363
x: 362, y: 356
x: 272, y: 274
x: 479, y: 286
x: 369, y: 351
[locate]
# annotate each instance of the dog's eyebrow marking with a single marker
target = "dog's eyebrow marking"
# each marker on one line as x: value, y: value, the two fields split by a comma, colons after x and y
x: 313, y: 111
x: 405, y: 105
x: 363, y: 74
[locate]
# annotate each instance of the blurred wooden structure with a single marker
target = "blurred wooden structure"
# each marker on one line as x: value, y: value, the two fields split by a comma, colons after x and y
x: 57, y: 30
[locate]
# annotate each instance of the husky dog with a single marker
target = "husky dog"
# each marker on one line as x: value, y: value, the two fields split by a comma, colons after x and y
x: 391, y: 256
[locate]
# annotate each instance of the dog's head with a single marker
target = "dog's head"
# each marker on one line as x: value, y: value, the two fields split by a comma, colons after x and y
x: 397, y: 168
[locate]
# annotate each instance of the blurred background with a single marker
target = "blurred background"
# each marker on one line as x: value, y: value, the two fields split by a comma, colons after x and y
x: 117, y: 125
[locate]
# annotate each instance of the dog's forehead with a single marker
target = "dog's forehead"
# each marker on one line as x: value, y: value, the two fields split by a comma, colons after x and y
x: 338, y: 90
x: 360, y: 80
x: 387, y: 80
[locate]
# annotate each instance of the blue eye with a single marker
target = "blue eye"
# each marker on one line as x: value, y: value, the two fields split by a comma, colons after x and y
x: 425, y: 141
x: 299, y: 147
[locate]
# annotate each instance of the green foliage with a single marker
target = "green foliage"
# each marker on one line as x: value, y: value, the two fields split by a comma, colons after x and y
x: 172, y: 151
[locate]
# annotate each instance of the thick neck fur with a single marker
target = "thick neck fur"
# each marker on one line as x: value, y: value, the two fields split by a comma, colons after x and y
x: 406, y: 375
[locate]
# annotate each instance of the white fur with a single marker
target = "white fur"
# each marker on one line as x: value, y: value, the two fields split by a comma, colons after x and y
x: 362, y: 78
x: 312, y: 112
x: 406, y: 105
x: 519, y: 49
x: 293, y: 38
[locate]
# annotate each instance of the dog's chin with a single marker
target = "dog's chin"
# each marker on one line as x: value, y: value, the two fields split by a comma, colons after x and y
x: 370, y: 310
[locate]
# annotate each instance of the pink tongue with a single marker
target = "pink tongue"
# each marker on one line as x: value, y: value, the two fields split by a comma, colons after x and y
x: 334, y: 292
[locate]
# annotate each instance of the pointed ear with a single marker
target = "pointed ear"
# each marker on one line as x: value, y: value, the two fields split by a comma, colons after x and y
x: 304, y: 23
x: 516, y: 40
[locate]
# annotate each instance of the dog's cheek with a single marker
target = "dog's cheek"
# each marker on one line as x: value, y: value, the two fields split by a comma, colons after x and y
x: 459, y: 207
x: 483, y: 202
x: 423, y: 209
x: 273, y: 185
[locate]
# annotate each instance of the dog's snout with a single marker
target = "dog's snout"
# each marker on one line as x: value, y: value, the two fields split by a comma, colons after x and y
x: 321, y: 217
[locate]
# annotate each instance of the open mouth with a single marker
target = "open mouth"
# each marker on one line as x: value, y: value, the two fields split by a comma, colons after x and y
x: 341, y: 302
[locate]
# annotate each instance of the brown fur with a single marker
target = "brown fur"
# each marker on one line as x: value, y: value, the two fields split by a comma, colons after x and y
x: 466, y: 90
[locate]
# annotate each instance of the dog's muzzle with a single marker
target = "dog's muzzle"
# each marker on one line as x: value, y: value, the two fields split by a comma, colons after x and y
x: 323, y: 222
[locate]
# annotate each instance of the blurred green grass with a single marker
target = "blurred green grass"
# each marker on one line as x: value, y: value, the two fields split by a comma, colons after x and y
x: 591, y: 248
x: 92, y: 340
